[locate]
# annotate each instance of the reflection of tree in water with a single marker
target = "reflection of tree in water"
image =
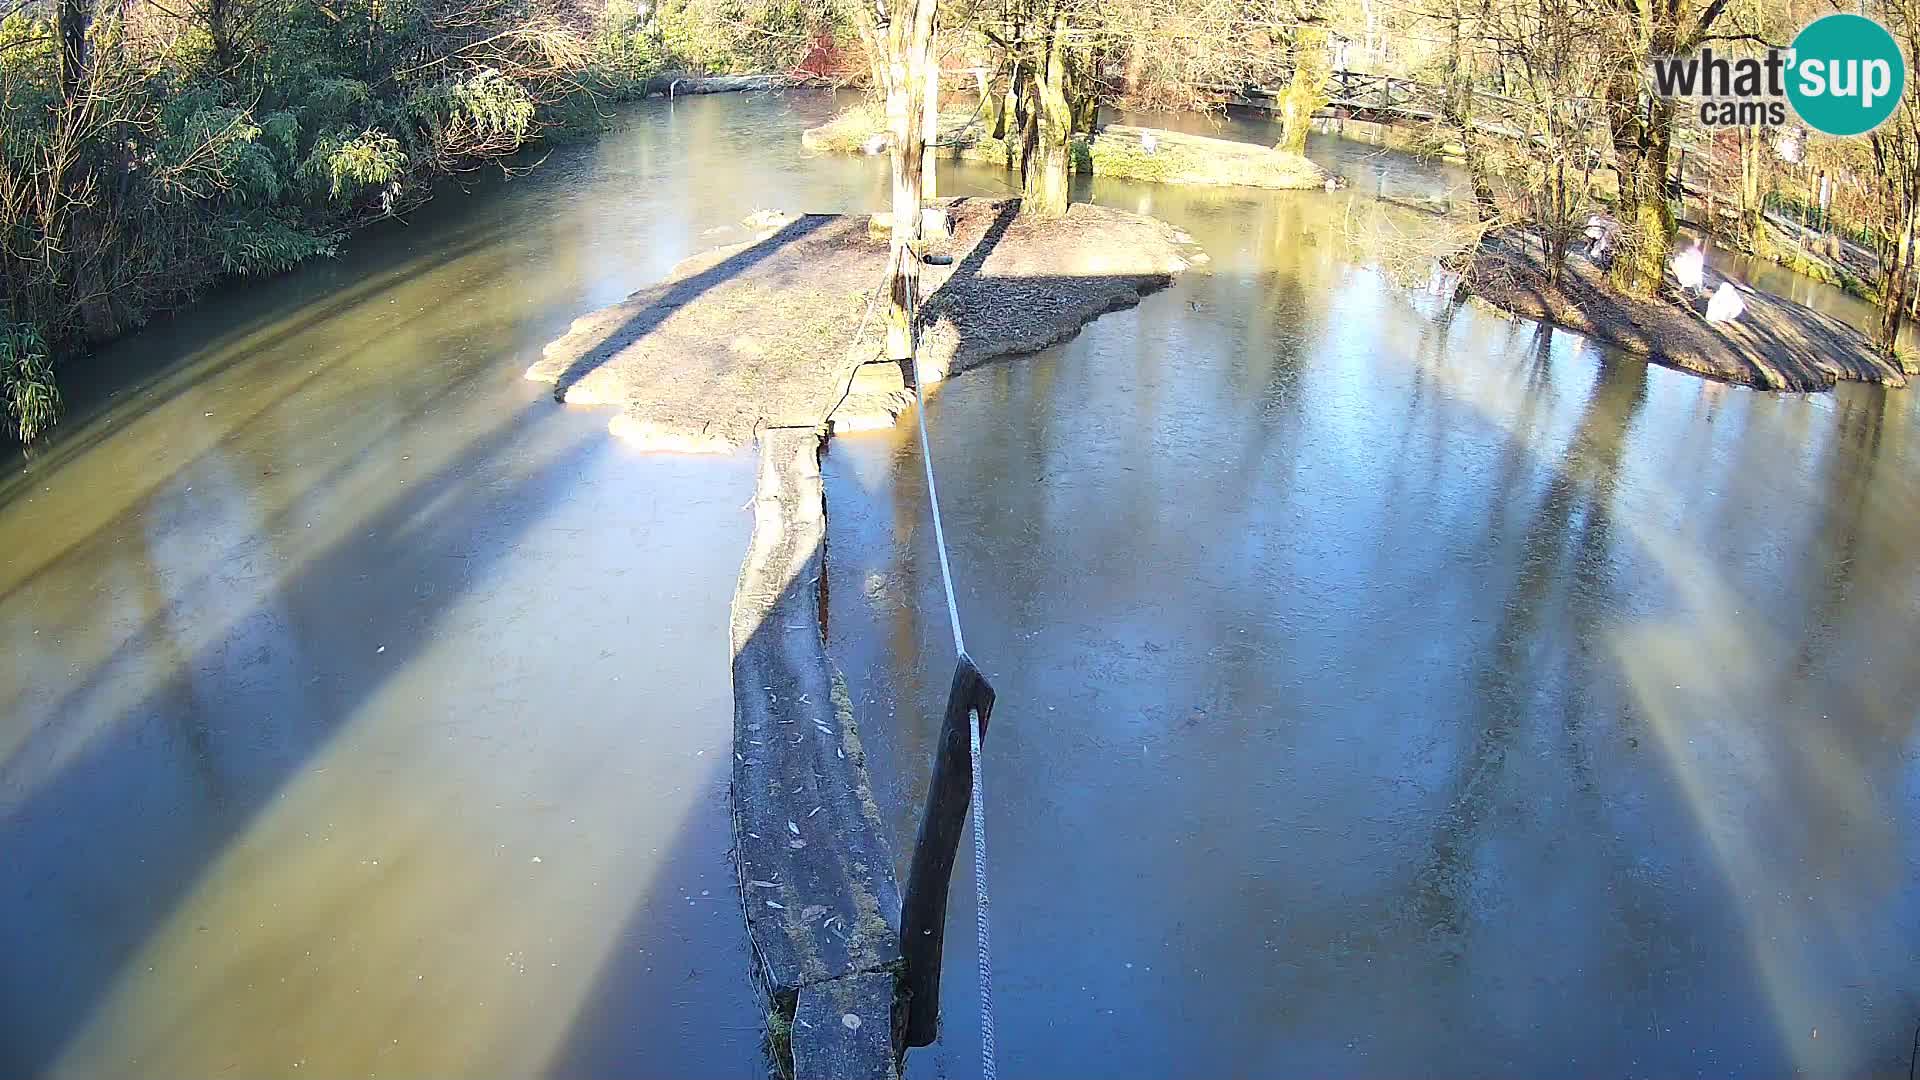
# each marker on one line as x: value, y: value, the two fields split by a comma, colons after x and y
x: 1854, y: 560
x: 1571, y: 528
x: 1573, y: 524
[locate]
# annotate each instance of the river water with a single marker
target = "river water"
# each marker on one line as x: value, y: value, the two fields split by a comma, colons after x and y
x: 1384, y: 690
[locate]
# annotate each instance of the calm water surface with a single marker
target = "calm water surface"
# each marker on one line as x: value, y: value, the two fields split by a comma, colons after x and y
x: 1383, y: 692
x: 365, y: 713
x: 1390, y: 692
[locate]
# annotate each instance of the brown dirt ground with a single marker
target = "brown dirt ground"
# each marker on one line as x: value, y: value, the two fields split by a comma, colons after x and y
x: 769, y: 333
x: 1775, y: 344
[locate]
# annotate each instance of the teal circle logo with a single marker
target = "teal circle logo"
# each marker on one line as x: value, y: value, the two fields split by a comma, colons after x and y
x: 1845, y: 74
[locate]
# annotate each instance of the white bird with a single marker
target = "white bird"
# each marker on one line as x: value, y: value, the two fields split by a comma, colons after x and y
x: 1726, y: 304
x: 1690, y: 267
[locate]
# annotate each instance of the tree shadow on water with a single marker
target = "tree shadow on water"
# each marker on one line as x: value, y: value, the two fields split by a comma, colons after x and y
x: 802, y: 896
x: 103, y: 849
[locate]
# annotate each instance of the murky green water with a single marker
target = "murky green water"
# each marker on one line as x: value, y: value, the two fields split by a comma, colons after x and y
x: 1382, y: 693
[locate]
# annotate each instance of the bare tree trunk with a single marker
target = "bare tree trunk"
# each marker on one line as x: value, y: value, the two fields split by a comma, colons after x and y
x: 220, y: 29
x: 1086, y: 110
x: 1045, y: 166
x: 1013, y: 118
x: 1642, y: 146
x: 930, y: 133
x: 73, y: 18
x: 909, y: 42
x: 1899, y: 280
x: 1458, y: 111
x: 1307, y: 89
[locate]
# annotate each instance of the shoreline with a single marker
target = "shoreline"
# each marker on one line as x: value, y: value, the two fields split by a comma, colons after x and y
x: 351, y: 229
x: 1775, y: 344
x: 1119, y: 151
x: 775, y: 332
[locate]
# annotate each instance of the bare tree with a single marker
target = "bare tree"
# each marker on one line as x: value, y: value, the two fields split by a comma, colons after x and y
x: 1896, y: 158
x: 902, y: 33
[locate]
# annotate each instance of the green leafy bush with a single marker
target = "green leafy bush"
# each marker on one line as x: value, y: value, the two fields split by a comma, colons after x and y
x: 347, y: 164
x: 32, y: 399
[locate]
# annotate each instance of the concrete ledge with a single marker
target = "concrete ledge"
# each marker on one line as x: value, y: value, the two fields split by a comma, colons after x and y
x: 843, y: 1030
x: 816, y: 877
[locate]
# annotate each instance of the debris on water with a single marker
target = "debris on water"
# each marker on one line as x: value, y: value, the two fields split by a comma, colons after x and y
x: 851, y: 1021
x: 814, y: 811
x: 536, y: 858
x: 776, y: 905
x: 793, y: 828
x: 763, y: 884
x: 379, y: 650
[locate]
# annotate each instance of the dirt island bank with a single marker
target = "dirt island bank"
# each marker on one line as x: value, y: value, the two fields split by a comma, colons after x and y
x: 1775, y: 344
x: 771, y: 332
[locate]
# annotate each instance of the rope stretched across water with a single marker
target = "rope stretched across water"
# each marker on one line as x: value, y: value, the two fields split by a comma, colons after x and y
x: 979, y: 806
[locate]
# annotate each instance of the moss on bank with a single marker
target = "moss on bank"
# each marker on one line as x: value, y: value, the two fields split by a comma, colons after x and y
x: 1122, y: 151
x: 1823, y: 267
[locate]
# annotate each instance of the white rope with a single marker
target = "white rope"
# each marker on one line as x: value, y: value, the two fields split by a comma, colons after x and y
x: 987, y: 1067
x: 926, y: 459
x: 983, y: 938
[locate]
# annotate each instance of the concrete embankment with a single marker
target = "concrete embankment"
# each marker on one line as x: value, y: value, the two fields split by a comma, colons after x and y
x: 770, y: 341
x: 816, y: 877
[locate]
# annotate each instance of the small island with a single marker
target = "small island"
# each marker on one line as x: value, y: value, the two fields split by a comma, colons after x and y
x: 779, y: 331
x: 1775, y: 344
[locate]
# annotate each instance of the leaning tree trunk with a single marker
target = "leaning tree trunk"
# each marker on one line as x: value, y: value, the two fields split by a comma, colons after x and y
x: 1046, y: 164
x: 1899, y: 280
